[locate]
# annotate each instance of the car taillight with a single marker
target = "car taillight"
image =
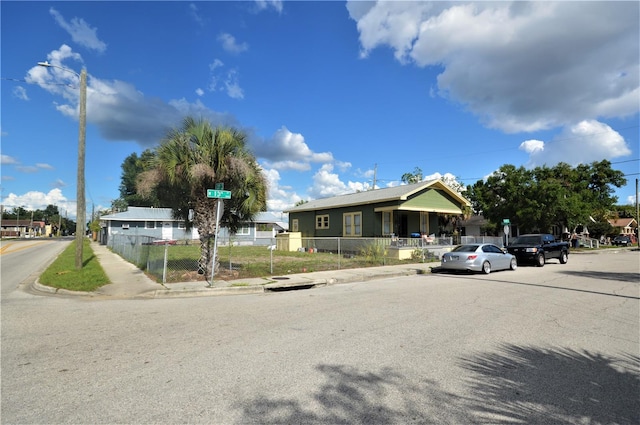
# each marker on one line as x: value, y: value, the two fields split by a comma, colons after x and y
x: 472, y: 257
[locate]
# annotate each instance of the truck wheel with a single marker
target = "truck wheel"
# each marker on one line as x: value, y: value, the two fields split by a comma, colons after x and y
x: 513, y: 264
x: 564, y: 257
x: 486, y: 267
x: 540, y: 260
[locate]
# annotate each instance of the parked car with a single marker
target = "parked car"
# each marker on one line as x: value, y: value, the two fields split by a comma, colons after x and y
x: 622, y: 240
x: 537, y: 248
x: 482, y: 257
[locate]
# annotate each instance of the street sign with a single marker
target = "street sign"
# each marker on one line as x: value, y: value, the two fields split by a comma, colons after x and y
x: 221, y: 194
x: 219, y: 186
x: 506, y: 221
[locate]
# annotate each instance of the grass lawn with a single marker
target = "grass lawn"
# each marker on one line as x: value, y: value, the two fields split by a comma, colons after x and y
x: 62, y: 272
x: 238, y: 262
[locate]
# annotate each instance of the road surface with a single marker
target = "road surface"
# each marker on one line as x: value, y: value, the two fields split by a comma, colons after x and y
x: 558, y: 344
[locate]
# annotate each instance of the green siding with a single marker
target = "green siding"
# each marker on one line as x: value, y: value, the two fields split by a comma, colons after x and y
x: 432, y: 199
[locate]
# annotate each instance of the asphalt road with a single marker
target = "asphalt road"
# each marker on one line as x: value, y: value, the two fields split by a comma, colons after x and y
x: 19, y: 258
x: 558, y: 344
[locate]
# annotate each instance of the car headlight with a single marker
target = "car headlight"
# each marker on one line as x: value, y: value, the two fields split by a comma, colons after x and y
x: 532, y: 249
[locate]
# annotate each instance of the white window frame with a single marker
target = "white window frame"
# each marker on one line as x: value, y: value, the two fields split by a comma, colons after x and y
x: 148, y: 223
x: 244, y: 230
x: 294, y: 225
x: 125, y: 226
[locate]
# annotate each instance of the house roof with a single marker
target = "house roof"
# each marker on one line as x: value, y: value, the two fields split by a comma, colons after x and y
x: 142, y: 214
x: 622, y: 222
x: 396, y: 193
x: 165, y: 214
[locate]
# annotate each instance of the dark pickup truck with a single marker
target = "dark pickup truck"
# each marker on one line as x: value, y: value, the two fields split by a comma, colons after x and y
x: 538, y: 248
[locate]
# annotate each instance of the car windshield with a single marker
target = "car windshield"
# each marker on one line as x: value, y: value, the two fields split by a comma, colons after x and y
x: 527, y: 240
x: 465, y: 248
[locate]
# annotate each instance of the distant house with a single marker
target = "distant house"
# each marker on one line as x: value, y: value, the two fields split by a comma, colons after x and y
x: 158, y: 223
x: 405, y: 211
x: 12, y: 228
x: 626, y: 226
x: 474, y: 225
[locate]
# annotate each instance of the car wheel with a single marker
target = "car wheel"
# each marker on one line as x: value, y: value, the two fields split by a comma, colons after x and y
x: 486, y: 267
x: 540, y: 260
x: 513, y: 264
x: 563, y: 257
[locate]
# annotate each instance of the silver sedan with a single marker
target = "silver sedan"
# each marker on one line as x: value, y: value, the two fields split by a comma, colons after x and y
x: 481, y: 257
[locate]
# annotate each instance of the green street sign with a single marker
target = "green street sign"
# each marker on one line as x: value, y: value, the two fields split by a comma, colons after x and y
x: 505, y: 221
x: 222, y: 194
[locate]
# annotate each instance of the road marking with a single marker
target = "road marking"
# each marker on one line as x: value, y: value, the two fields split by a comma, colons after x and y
x: 18, y: 247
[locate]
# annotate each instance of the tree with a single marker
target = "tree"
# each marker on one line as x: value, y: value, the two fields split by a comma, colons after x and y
x: 132, y: 167
x: 414, y: 177
x: 195, y: 158
x: 538, y: 199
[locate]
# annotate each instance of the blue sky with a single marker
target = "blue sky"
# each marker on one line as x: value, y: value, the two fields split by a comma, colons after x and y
x: 333, y: 95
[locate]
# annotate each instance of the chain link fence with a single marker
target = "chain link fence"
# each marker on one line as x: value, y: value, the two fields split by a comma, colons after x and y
x: 177, y: 261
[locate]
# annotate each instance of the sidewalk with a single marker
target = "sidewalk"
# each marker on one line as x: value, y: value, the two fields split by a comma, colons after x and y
x: 129, y: 282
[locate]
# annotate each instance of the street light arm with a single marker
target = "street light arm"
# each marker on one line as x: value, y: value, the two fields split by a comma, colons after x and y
x: 46, y: 64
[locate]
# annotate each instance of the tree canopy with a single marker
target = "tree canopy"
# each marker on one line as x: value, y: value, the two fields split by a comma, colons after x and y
x: 540, y: 198
x: 198, y: 157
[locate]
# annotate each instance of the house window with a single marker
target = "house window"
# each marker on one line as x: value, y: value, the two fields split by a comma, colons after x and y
x: 294, y: 225
x: 149, y: 224
x: 181, y: 225
x: 352, y: 224
x: 386, y: 223
x: 125, y: 227
x: 243, y: 230
x: 322, y: 221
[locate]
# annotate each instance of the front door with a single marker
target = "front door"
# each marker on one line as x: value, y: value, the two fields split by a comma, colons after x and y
x: 167, y: 230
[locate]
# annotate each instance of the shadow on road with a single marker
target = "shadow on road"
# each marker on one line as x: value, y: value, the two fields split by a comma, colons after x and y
x: 513, y: 385
x: 351, y: 396
x: 619, y: 277
x: 560, y: 386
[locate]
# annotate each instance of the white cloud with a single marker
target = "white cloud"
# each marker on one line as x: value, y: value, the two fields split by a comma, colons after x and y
x: 21, y: 93
x: 118, y: 110
x: 80, y: 32
x: 224, y: 81
x: 34, y: 200
x: 287, y: 150
x: 326, y: 183
x: 273, y: 4
x: 583, y: 143
x: 232, y: 85
x: 199, y: 91
x: 195, y: 14
x: 532, y: 146
x: 280, y: 197
x: 497, y: 62
x: 6, y: 159
x: 230, y: 44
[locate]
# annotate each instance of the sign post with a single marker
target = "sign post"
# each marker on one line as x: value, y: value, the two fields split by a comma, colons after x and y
x: 219, y: 194
x: 506, y: 222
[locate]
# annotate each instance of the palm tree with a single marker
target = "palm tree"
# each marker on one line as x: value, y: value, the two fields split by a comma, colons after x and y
x: 195, y: 158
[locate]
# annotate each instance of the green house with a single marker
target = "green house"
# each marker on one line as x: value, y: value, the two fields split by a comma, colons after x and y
x: 404, y: 211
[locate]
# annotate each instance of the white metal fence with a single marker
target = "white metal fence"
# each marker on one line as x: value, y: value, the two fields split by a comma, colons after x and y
x: 178, y: 261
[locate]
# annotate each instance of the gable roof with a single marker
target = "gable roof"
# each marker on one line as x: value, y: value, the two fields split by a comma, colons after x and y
x: 396, y: 193
x: 622, y: 222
